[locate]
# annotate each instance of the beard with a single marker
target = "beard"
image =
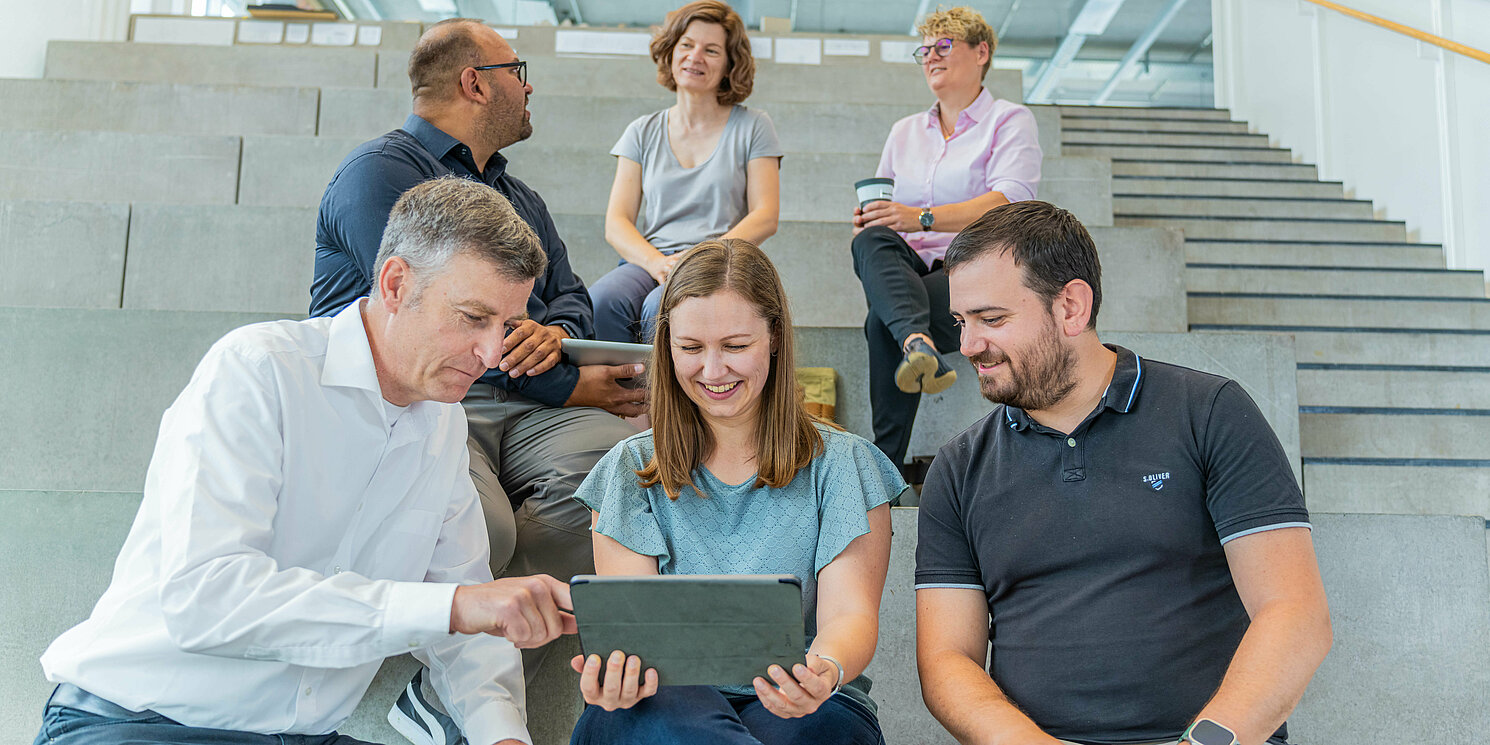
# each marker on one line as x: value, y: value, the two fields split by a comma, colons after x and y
x: 1038, y: 378
x: 504, y: 123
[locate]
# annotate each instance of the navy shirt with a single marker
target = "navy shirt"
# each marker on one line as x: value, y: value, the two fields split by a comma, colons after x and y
x: 1114, y: 615
x: 355, y: 210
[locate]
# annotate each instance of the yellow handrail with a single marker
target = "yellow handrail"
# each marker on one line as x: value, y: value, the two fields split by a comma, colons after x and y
x: 1452, y: 46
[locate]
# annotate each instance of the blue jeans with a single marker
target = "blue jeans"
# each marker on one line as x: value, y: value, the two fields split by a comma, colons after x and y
x: 626, y: 302
x: 96, y: 721
x: 700, y: 715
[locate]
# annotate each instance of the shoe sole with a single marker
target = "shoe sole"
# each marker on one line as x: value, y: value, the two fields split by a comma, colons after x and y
x: 911, y: 376
x: 937, y: 383
x: 403, y: 723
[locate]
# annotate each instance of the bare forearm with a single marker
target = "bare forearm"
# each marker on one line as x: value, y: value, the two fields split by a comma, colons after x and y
x: 851, y: 640
x: 623, y: 236
x: 961, y: 696
x: 951, y: 218
x: 1272, y: 667
x: 755, y: 227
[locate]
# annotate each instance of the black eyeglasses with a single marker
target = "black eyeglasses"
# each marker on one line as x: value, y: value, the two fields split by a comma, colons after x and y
x: 522, y: 69
x: 943, y: 48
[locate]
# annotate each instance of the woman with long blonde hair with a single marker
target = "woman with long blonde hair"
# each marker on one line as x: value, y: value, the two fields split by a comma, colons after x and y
x: 737, y: 478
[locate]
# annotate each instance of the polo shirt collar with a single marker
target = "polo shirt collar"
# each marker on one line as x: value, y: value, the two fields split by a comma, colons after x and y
x: 439, y: 143
x: 1121, y: 395
x: 981, y: 107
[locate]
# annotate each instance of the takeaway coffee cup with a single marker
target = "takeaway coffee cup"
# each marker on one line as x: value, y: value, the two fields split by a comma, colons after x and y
x: 874, y: 190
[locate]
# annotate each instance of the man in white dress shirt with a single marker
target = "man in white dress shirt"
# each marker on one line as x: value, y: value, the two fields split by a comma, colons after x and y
x: 309, y: 512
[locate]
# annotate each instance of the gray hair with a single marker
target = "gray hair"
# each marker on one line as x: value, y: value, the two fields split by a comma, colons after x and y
x: 439, y: 218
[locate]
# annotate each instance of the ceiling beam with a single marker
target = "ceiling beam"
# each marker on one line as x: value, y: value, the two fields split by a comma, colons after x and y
x: 1091, y: 21
x: 1139, y: 48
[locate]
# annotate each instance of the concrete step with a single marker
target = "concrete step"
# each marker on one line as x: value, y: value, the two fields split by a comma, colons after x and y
x: 1074, y: 145
x: 119, y: 167
x: 1126, y: 124
x: 214, y: 258
x: 1398, y: 385
x: 1294, y: 253
x: 1273, y: 228
x: 62, y: 254
x: 1124, y: 164
x: 1398, y: 486
x: 1218, y: 187
x: 1077, y: 131
x: 1203, y: 205
x: 1365, y: 432
x: 1374, y: 346
x: 270, y: 65
x: 156, y: 108
x: 1334, y: 280
x: 292, y: 171
x: 1343, y: 311
x: 1135, y: 112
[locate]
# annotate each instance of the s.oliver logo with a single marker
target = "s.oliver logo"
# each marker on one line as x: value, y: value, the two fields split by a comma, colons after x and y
x: 1156, y: 480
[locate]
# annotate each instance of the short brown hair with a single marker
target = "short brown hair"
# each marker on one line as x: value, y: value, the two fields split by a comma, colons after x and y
x: 960, y: 24
x: 442, y: 52
x: 1050, y: 244
x: 786, y: 439
x: 739, y: 70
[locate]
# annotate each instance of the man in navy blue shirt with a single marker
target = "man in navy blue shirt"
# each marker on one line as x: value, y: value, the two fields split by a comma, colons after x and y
x: 537, y: 425
x: 1126, y: 534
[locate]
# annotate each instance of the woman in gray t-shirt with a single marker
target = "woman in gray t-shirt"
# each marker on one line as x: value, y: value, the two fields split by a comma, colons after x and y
x: 703, y: 168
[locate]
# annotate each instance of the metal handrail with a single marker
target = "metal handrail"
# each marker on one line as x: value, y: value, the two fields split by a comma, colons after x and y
x: 1452, y: 46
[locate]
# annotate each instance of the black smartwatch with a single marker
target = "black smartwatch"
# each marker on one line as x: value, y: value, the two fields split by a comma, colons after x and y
x: 927, y: 218
x: 1208, y: 732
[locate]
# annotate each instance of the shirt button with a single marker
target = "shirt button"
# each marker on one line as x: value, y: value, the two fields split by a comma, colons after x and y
x: 336, y: 570
x: 1071, y: 441
x: 307, y: 691
x: 413, y: 645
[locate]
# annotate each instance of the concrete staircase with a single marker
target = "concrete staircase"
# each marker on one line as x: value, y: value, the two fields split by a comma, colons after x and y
x: 153, y: 197
x: 1393, y: 348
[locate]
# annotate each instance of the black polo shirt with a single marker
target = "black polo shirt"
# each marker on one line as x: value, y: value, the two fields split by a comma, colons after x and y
x: 1113, y: 611
x: 355, y: 208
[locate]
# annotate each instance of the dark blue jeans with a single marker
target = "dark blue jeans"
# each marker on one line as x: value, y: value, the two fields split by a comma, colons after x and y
x: 700, y: 715
x: 99, y: 722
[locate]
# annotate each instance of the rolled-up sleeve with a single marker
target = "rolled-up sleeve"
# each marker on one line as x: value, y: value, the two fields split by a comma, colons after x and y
x: 1014, y: 164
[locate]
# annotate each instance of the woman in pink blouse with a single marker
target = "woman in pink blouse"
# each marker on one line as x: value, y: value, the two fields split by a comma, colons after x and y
x: 966, y: 155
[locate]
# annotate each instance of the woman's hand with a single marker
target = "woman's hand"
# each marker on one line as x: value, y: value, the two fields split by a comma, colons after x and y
x: 623, y: 685
x: 662, y: 267
x: 798, y: 696
x: 893, y: 215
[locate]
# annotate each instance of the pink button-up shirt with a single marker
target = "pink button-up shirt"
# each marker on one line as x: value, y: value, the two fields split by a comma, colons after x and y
x: 992, y: 148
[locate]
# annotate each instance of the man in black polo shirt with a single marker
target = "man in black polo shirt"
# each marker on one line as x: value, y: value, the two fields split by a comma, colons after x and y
x: 1127, y: 533
x: 537, y: 426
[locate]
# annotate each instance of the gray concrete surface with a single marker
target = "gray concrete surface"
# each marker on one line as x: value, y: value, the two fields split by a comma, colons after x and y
x: 1438, y: 313
x: 62, y: 254
x: 1358, y: 347
x: 1410, y: 603
x: 1314, y: 254
x: 1133, y: 112
x: 1131, y: 185
x: 1078, y: 131
x: 1447, y: 434
x: 1074, y: 145
x: 119, y: 167
x: 90, y: 388
x: 1335, y: 280
x: 290, y: 171
x: 1196, y: 203
x: 1401, y: 490
x: 1262, y: 364
x: 1153, y: 125
x: 1257, y: 229
x: 1129, y: 164
x: 250, y: 259
x: 271, y: 65
x: 1425, y: 389
x: 156, y: 108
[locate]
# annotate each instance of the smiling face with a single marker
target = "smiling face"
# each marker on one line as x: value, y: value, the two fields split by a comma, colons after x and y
x: 957, y: 72
x: 699, y: 58
x: 441, y: 337
x: 1010, y: 334
x: 721, y: 351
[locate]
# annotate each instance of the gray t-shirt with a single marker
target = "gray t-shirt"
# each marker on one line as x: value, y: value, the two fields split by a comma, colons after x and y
x: 682, y: 206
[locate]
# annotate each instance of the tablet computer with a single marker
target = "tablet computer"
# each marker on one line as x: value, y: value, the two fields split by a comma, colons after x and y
x: 694, y: 629
x: 591, y: 352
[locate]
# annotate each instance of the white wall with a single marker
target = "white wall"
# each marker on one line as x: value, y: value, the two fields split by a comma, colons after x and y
x: 1404, y: 124
x: 27, y: 25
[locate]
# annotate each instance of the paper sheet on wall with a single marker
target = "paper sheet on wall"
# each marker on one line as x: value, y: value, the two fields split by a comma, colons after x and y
x: 898, y: 51
x: 260, y: 32
x: 333, y: 34
x: 158, y: 30
x: 506, y: 32
x: 799, y: 51
x: 369, y: 36
x: 297, y: 33
x: 567, y: 41
x: 846, y: 47
x: 760, y: 47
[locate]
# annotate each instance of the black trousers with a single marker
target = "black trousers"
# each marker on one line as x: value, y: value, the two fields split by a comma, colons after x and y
x: 905, y: 297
